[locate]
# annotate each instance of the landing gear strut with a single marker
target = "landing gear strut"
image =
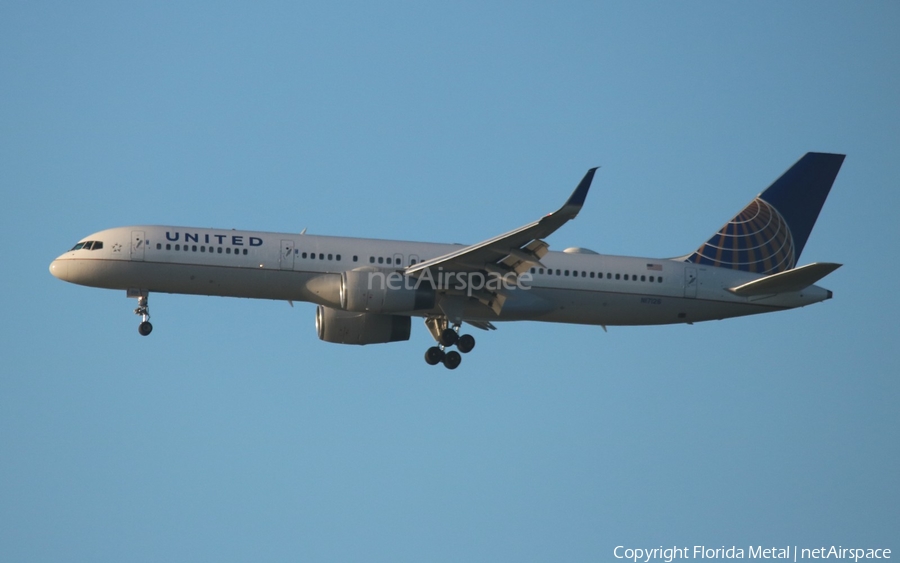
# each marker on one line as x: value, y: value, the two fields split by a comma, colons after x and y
x: 447, y: 336
x: 143, y: 310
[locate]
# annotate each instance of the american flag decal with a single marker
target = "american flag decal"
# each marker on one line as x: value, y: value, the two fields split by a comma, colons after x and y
x: 655, y: 267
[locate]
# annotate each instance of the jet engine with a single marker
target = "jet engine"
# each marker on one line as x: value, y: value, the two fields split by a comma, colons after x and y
x: 370, y: 290
x: 384, y: 292
x: 348, y: 327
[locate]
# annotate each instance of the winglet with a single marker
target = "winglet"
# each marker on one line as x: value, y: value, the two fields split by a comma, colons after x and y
x: 578, y: 196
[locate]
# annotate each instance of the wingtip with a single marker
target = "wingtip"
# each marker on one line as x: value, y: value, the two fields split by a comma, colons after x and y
x: 580, y: 194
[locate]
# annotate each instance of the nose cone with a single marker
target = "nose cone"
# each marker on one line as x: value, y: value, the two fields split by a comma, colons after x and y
x: 60, y: 269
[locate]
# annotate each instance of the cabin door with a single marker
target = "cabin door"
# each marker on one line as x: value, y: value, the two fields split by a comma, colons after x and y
x: 287, y: 255
x: 690, y: 282
x: 138, y: 242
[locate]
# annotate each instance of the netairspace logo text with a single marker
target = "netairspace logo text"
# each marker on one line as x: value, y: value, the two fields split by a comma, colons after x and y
x: 788, y: 553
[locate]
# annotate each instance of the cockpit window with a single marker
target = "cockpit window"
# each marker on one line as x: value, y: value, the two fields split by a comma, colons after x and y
x: 88, y: 245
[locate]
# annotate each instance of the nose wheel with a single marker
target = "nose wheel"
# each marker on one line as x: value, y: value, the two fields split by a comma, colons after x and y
x: 143, y: 309
x: 446, y: 337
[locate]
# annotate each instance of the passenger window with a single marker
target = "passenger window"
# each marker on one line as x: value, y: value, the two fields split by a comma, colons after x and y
x: 558, y: 273
x: 193, y: 248
x: 355, y: 257
x: 202, y: 249
x: 329, y: 256
x: 245, y: 252
x: 412, y: 262
x: 227, y: 250
x: 608, y: 276
x: 177, y: 247
x: 592, y: 274
x: 388, y: 259
x: 584, y: 274
x: 540, y: 270
x: 303, y: 255
x: 567, y: 272
x: 168, y: 246
x: 338, y: 257
x: 659, y: 279
x: 371, y: 259
x: 158, y: 246
x: 651, y: 278
x: 617, y: 276
x: 643, y: 278
x: 381, y: 260
x: 219, y: 250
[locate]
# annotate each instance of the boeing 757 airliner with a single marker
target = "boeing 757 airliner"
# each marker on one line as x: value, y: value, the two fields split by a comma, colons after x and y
x: 367, y: 290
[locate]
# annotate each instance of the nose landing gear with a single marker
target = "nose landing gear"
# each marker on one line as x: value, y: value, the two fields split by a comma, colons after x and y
x: 447, y: 336
x: 143, y: 310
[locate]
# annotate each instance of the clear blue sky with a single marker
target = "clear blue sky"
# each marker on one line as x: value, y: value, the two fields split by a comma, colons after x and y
x: 233, y: 434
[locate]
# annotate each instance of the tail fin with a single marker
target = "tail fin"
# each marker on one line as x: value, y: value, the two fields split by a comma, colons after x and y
x: 768, y: 236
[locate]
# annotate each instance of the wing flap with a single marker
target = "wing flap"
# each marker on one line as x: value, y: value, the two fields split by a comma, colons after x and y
x: 785, y: 282
x: 483, y: 325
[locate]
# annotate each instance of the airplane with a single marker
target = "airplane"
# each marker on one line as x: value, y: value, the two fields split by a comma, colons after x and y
x: 367, y: 290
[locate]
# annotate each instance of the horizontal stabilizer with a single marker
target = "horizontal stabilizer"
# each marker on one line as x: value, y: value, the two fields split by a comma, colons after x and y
x: 785, y: 282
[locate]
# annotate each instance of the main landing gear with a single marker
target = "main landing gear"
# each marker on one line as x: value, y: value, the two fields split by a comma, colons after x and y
x: 446, y: 337
x: 143, y: 310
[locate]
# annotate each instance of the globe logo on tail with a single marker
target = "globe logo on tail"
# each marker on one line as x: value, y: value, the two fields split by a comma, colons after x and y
x: 756, y: 240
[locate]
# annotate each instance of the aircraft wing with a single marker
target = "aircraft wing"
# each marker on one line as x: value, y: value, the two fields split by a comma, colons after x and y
x: 513, y: 252
x: 509, y: 251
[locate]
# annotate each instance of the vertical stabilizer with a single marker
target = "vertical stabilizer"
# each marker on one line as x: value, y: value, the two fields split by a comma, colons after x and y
x: 769, y: 234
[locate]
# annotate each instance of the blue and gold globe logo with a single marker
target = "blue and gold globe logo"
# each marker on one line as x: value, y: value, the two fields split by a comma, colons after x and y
x: 756, y: 240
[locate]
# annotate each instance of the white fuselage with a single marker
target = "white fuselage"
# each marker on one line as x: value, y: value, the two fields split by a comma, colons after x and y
x: 572, y: 287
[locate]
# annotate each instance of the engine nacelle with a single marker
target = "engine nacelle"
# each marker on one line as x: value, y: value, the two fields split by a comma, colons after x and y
x: 376, y: 291
x: 370, y: 290
x: 347, y: 327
